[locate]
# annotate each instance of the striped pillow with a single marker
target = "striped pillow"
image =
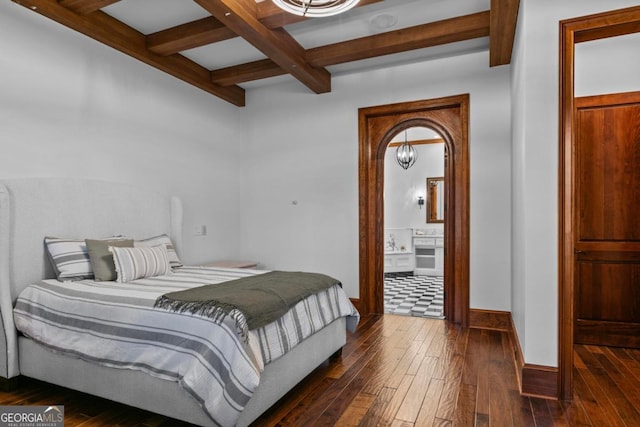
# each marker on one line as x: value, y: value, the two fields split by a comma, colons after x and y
x: 165, y: 241
x: 138, y: 263
x: 69, y: 258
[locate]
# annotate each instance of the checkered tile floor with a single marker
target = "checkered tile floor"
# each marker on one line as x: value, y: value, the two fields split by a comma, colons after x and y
x: 419, y: 296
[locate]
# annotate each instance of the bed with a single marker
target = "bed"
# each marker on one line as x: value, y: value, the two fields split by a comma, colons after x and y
x: 33, y: 208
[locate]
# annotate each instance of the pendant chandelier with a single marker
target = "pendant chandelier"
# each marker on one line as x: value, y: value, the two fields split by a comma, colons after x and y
x: 406, y: 155
x: 315, y: 8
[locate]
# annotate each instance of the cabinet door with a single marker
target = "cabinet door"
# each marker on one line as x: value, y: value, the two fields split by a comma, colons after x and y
x: 426, y: 258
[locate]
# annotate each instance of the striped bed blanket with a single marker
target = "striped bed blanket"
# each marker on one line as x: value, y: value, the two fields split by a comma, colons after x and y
x: 115, y: 324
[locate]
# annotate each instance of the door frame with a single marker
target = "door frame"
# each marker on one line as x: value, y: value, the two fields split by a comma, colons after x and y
x: 449, y: 116
x: 587, y: 28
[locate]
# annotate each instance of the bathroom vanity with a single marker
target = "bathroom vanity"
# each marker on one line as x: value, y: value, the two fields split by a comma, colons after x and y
x: 398, y: 250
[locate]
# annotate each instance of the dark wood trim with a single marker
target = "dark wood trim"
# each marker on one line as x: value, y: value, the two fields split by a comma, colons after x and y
x: 248, y: 72
x: 188, y: 36
x: 357, y: 304
x: 504, y: 18
x: 377, y: 126
x: 431, y: 211
x: 611, y: 99
x: 615, y: 334
x: 539, y: 381
x: 604, y: 25
x: 278, y: 45
x: 420, y: 36
x: 490, y: 319
x: 592, y: 27
x: 9, y: 384
x: 84, y: 7
x: 419, y: 142
x: 565, y: 215
x: 518, y: 356
x: 533, y: 380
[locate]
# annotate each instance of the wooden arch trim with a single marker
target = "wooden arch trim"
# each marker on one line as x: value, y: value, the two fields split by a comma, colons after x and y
x: 583, y: 29
x: 449, y: 117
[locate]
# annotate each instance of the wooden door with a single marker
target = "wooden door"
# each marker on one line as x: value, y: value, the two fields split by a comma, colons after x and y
x: 449, y: 117
x: 607, y: 220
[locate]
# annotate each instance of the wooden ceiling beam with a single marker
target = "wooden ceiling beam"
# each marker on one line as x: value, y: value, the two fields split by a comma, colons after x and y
x: 504, y: 17
x: 278, y: 45
x: 188, y: 36
x: 209, y: 30
x: 84, y: 7
x: 421, y: 36
x: 251, y: 71
x: 107, y: 30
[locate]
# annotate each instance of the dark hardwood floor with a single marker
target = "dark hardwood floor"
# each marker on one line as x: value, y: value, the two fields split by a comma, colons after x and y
x: 406, y: 371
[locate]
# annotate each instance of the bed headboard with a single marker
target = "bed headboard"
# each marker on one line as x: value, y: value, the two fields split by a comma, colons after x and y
x: 33, y: 208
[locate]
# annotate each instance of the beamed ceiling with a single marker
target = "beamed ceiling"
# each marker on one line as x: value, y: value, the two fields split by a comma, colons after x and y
x: 226, y: 46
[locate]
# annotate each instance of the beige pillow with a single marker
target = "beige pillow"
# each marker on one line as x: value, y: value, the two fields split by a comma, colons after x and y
x: 101, y: 258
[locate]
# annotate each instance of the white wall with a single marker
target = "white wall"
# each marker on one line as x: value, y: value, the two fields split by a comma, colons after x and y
x: 609, y: 65
x: 314, y: 160
x: 402, y: 187
x: 70, y: 106
x: 535, y: 170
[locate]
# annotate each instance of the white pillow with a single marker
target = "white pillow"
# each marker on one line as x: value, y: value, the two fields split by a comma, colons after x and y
x: 69, y: 258
x: 138, y: 263
x: 164, y: 240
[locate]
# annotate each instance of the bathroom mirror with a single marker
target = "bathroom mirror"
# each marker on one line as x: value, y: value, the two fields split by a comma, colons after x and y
x: 435, y: 199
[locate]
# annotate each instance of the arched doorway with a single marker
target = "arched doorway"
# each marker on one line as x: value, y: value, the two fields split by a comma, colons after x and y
x: 377, y: 125
x: 414, y: 199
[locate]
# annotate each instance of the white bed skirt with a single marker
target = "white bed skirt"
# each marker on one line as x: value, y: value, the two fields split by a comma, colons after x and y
x: 167, y: 398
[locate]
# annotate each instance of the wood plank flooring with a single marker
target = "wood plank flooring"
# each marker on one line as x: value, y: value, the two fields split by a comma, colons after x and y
x: 403, y: 371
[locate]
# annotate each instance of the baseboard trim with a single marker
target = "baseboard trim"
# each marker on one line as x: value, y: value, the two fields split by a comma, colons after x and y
x: 357, y: 304
x: 9, y: 384
x: 490, y: 319
x: 539, y: 381
x: 533, y: 380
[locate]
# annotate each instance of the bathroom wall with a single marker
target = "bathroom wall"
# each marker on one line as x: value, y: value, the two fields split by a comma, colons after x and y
x: 403, y: 187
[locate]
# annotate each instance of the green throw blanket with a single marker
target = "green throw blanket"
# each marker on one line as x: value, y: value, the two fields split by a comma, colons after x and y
x: 262, y: 298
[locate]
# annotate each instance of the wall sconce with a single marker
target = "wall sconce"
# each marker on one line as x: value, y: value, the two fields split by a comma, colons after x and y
x: 420, y: 202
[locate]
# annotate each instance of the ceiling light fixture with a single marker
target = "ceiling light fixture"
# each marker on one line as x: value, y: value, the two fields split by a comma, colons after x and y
x: 406, y: 155
x: 315, y: 8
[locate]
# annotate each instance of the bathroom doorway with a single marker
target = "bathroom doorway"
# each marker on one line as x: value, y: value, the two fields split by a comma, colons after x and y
x: 449, y: 116
x: 414, y: 195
